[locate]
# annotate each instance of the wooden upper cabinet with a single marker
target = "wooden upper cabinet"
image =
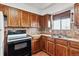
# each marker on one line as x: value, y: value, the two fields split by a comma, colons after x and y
x: 41, y: 21
x: 37, y: 17
x: 25, y: 22
x: 76, y: 14
x: 45, y: 21
x: 14, y: 17
x: 4, y: 9
x: 34, y: 20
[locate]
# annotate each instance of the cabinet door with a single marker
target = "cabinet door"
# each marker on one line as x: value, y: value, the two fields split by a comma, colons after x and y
x: 45, y: 21
x: 1, y: 7
x: 61, y: 50
x: 14, y: 17
x: 51, y: 48
x: 34, y: 21
x: 76, y: 13
x: 4, y: 9
x: 38, y: 21
x: 44, y: 44
x: 73, y: 52
x: 25, y: 22
x: 41, y: 22
x: 35, y: 46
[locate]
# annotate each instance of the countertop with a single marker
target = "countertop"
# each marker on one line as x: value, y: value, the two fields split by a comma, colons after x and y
x: 50, y: 36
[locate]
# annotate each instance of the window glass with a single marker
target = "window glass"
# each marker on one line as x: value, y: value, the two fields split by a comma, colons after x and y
x: 56, y: 24
x: 65, y: 24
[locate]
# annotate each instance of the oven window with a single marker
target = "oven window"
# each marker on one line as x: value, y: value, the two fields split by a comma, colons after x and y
x: 20, y: 46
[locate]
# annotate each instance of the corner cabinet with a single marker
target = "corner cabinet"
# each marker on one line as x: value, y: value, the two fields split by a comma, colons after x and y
x: 14, y: 17
x: 43, y: 43
x: 35, y: 46
x: 45, y: 21
x: 76, y: 14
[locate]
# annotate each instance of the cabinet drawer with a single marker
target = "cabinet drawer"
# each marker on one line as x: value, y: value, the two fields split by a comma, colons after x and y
x: 74, y: 44
x: 61, y: 41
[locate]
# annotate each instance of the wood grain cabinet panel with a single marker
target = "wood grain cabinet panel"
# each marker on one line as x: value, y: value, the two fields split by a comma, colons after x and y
x: 62, y: 42
x: 4, y: 9
x: 45, y: 21
x: 41, y: 22
x: 73, y: 48
x: 73, y: 52
x: 34, y: 20
x: 14, y: 17
x: 44, y: 43
x: 35, y: 46
x: 74, y: 44
x: 76, y: 14
x: 25, y: 21
x: 61, y: 50
x: 51, y: 48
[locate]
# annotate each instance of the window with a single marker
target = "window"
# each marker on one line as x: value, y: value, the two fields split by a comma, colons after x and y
x: 56, y: 24
x: 65, y: 24
x: 61, y: 21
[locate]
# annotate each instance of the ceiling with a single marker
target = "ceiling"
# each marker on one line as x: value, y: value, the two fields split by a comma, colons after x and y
x: 40, y: 6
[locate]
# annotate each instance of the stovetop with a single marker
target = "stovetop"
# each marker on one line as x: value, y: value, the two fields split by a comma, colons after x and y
x: 18, y: 38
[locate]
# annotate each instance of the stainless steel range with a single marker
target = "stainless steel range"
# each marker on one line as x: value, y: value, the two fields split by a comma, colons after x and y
x: 19, y: 43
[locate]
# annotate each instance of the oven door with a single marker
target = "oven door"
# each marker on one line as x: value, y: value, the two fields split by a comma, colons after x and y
x: 20, y: 48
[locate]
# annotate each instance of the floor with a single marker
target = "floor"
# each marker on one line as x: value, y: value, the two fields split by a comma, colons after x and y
x: 41, y: 53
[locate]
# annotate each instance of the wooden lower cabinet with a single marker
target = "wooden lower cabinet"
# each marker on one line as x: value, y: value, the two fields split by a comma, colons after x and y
x: 51, y: 48
x: 55, y: 47
x: 43, y: 43
x: 61, y: 50
x: 73, y: 52
x: 35, y: 45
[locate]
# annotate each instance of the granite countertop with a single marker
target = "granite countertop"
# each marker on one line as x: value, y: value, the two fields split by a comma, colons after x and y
x: 55, y: 36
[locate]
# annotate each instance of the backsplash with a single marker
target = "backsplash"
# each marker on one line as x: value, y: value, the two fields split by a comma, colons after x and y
x: 29, y: 31
x: 74, y: 32
x: 32, y: 31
